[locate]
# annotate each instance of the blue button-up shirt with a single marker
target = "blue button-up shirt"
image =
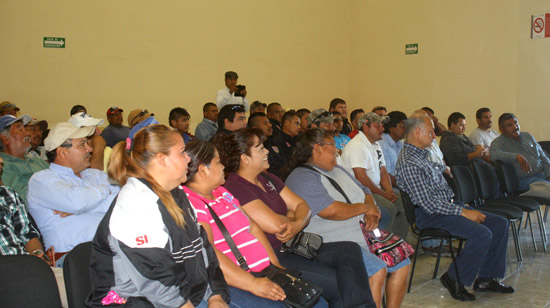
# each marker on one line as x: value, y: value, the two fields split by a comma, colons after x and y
x: 423, y: 181
x: 87, y: 197
x: 391, y: 150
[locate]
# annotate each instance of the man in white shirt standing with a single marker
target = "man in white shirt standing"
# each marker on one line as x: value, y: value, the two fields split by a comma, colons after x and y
x: 363, y: 157
x: 483, y: 135
x: 232, y: 94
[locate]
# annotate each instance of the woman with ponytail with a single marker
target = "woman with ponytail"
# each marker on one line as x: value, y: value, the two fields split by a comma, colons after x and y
x: 149, y: 250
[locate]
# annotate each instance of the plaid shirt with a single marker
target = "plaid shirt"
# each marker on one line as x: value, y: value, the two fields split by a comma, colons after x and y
x: 15, y: 227
x: 424, y: 182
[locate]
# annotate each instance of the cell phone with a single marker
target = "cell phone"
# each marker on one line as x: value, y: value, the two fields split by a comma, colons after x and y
x: 376, y: 232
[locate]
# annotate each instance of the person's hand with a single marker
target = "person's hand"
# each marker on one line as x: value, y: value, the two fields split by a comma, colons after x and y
x: 448, y: 171
x: 523, y: 163
x: 479, y: 152
x: 243, y: 93
x: 371, y: 222
x: 389, y: 195
x: 232, y: 89
x: 62, y: 214
x: 216, y: 301
x: 473, y: 215
x: 373, y: 210
x: 268, y: 289
x: 289, y: 230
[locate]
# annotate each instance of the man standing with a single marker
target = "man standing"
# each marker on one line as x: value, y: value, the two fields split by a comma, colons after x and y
x: 363, y: 157
x: 68, y: 200
x: 15, y: 140
x: 394, y: 132
x: 339, y: 105
x: 231, y: 94
x: 512, y: 146
x: 483, y: 135
x: 115, y: 131
x: 207, y: 128
x: 484, y: 254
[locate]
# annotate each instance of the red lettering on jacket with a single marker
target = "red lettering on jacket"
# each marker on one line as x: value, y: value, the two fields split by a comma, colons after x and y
x: 140, y: 240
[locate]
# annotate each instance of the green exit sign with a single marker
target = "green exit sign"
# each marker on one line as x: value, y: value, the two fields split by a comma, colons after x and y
x: 411, y: 49
x: 54, y: 42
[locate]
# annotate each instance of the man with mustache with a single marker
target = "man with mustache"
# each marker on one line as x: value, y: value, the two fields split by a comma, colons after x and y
x: 69, y: 199
x: 520, y: 148
x: 15, y: 141
x: 483, y: 135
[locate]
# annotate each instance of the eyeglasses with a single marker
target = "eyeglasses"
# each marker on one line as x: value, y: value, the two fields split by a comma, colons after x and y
x: 327, y: 143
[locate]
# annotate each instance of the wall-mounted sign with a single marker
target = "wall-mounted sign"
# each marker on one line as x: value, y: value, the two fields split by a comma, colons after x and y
x: 54, y: 42
x: 540, y: 26
x: 411, y: 49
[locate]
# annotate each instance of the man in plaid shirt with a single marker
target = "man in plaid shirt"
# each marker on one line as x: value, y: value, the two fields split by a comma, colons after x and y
x: 484, y: 255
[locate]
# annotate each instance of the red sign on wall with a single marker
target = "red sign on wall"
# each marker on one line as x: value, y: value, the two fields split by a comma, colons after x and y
x: 540, y: 26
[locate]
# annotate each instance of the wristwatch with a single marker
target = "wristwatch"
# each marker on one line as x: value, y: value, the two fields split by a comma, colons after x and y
x: 37, y: 252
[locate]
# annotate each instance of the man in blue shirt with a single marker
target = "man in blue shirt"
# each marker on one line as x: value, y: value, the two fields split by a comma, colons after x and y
x: 484, y: 255
x: 207, y: 128
x: 69, y: 199
x: 394, y: 132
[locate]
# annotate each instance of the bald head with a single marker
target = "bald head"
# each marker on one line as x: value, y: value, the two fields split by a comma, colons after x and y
x: 419, y: 129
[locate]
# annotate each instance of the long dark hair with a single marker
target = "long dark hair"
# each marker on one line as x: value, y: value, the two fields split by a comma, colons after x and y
x: 232, y: 146
x: 303, y: 151
x: 201, y: 153
x: 148, y: 142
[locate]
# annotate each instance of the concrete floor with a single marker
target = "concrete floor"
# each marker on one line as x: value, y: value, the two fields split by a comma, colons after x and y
x: 531, y: 279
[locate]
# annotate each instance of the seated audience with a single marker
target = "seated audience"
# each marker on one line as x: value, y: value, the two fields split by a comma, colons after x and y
x: 275, y: 157
x: 95, y: 141
x: 303, y: 114
x: 115, y: 132
x: 439, y: 128
x: 35, y: 129
x: 207, y: 128
x: 380, y: 110
x: 484, y: 254
x: 68, y: 200
x: 78, y: 108
x: 231, y: 94
x: 281, y: 214
x: 257, y: 106
x: 483, y: 135
x: 340, y: 138
x: 8, y: 108
x: 457, y: 148
x: 340, y: 106
x: 333, y: 217
x: 275, y: 115
x: 231, y: 118
x: 15, y: 140
x: 520, y: 148
x: 363, y: 158
x: 391, y: 144
x: 179, y: 119
x: 204, y: 177
x: 354, y: 117
x: 148, y: 250
x: 286, y: 140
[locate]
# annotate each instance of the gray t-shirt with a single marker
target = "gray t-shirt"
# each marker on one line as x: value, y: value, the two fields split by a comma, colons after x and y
x: 319, y: 193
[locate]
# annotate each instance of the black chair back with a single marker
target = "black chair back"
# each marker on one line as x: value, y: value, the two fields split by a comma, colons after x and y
x: 452, y: 184
x: 409, y: 210
x: 486, y: 180
x: 27, y: 281
x: 76, y: 271
x: 507, y: 177
x: 465, y: 182
x: 545, y: 145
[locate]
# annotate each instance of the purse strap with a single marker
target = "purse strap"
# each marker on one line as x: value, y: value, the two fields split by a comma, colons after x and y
x: 331, y: 180
x: 228, y: 239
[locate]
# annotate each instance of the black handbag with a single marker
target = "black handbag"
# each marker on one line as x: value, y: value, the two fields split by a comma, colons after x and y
x: 305, y: 244
x: 299, y: 293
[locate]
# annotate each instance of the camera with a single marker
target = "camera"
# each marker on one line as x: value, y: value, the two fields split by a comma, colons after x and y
x: 238, y: 90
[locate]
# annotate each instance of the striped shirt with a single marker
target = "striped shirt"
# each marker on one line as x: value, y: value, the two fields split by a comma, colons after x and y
x: 423, y: 181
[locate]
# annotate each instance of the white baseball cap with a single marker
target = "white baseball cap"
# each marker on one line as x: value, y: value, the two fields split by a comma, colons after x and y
x: 63, y: 131
x: 83, y: 119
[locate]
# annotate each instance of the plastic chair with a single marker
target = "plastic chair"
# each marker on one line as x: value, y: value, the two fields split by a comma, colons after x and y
x: 27, y: 281
x: 467, y: 192
x: 76, y: 271
x: 427, y: 233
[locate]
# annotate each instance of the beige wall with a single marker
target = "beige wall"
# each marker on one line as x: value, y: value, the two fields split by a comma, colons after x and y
x: 144, y: 54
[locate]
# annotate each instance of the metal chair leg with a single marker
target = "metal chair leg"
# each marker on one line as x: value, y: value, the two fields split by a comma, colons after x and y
x: 415, y: 256
x: 532, y: 234
x: 454, y: 261
x: 438, y: 258
x: 516, y: 241
x: 542, y: 229
x: 546, y: 213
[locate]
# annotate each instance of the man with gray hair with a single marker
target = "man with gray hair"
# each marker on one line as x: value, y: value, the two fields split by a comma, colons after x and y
x: 16, y: 142
x: 363, y: 157
x: 484, y: 255
x: 69, y: 199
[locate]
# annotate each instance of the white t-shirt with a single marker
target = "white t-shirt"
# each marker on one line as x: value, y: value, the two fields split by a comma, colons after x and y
x: 481, y: 137
x: 360, y: 153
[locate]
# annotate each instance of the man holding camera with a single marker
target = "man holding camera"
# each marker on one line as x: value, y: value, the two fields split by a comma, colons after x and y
x: 232, y: 93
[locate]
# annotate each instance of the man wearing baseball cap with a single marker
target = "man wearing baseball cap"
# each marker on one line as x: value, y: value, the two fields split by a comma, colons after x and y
x: 35, y: 128
x: 8, y: 108
x: 115, y: 131
x: 232, y: 93
x: 15, y: 141
x: 69, y: 199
